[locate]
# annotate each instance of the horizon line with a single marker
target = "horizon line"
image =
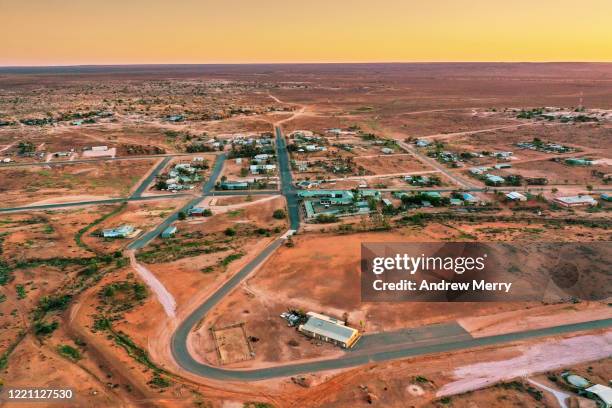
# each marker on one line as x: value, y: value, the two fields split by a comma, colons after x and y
x: 302, y: 63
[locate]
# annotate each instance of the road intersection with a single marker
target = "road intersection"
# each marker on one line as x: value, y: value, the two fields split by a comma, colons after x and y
x: 372, y: 347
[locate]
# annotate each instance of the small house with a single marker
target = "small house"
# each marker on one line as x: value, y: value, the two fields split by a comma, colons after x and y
x: 196, y: 212
x: 468, y: 198
x: 234, y: 185
x: 169, y: 232
x: 515, y: 196
x: 477, y: 171
x: 432, y: 194
x: 123, y: 231
x: 262, y: 168
x: 503, y: 155
x: 175, y: 118
x: 576, y: 201
x: 578, y: 162
x: 491, y: 178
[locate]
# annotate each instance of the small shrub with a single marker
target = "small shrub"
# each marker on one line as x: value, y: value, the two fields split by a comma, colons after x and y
x: 6, y: 274
x: 231, y: 258
x: 44, y: 329
x: 54, y: 302
x: 69, y: 352
x: 101, y: 324
x: 279, y: 214
x: 326, y: 218
x: 158, y: 381
x: 21, y: 292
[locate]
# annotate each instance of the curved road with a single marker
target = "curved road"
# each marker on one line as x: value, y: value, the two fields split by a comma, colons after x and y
x: 352, y: 359
x: 378, y: 347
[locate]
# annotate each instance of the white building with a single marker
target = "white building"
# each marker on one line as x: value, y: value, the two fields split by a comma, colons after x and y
x: 603, y: 392
x: 516, y: 196
x: 262, y: 168
x: 576, y: 201
x: 329, y: 329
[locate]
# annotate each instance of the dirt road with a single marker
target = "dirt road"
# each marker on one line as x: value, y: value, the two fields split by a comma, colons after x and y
x: 163, y: 296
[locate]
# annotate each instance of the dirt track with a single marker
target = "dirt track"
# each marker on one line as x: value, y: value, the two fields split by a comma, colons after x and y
x: 163, y: 296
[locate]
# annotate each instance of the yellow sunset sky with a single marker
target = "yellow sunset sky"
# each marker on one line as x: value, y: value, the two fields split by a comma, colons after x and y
x: 61, y: 32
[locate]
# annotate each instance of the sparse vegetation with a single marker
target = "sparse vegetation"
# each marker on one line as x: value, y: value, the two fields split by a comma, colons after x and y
x: 78, y: 237
x: 43, y: 329
x: 69, y: 352
x: 158, y: 381
x: 257, y: 405
x: 326, y: 218
x: 21, y: 292
x: 279, y: 214
x: 230, y: 258
x: 172, y: 249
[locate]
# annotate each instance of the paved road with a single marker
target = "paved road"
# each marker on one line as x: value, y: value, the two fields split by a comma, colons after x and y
x: 93, y: 160
x: 532, y: 189
x: 371, y: 348
x: 453, y: 342
x: 397, y: 339
x: 147, y: 237
x: 145, y: 183
x: 223, y: 193
x: 136, y: 196
x: 88, y: 202
x: 179, y: 339
x: 287, y: 187
x: 433, y: 163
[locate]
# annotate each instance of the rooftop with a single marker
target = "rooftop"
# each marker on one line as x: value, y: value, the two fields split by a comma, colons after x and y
x: 579, y: 199
x: 494, y: 179
x: 328, y: 327
x: 602, y: 391
x: 170, y: 230
x: 513, y: 195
